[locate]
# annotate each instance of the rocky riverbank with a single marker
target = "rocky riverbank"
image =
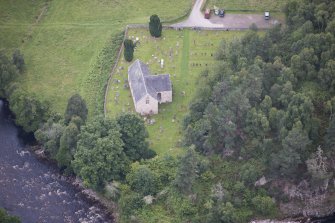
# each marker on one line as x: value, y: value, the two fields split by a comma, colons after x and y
x: 109, y: 207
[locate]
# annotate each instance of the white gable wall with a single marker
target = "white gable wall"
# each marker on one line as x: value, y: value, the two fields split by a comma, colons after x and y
x: 147, y: 109
x: 166, y: 96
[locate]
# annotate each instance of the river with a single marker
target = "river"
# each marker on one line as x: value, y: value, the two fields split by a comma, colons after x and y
x: 33, y: 190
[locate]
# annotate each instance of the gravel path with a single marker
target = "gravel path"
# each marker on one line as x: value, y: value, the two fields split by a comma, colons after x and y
x: 229, y: 21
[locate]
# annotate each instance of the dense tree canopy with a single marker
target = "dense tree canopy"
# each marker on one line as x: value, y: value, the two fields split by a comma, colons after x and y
x: 143, y: 181
x: 186, y: 172
x: 134, y: 136
x: 29, y: 111
x: 67, y: 146
x: 266, y: 107
x: 100, y: 157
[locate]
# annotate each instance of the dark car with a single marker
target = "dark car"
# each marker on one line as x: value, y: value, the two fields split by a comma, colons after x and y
x: 221, y: 13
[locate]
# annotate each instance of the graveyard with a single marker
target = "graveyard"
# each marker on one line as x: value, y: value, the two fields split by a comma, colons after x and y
x: 66, y: 46
x: 186, y: 54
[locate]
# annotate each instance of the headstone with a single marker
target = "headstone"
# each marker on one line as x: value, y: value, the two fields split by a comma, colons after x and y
x: 162, y: 63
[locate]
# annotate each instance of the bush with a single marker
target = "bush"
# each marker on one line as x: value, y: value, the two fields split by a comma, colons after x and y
x: 143, y: 181
x: 130, y: 202
x: 264, y: 205
x: 18, y: 60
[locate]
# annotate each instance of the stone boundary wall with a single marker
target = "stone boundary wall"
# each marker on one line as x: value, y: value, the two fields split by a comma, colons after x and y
x: 146, y: 26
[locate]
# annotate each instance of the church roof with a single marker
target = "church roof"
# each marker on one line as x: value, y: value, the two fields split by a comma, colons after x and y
x: 142, y: 82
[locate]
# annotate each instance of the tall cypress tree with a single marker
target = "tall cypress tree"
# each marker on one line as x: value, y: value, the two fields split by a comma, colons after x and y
x: 187, y: 172
x: 128, y: 50
x: 155, y: 26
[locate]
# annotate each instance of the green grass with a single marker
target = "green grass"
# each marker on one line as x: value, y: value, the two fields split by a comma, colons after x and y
x: 63, y: 50
x: 17, y: 19
x: 248, y: 5
x: 186, y: 53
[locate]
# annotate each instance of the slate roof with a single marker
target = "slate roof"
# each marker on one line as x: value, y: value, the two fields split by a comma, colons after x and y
x: 142, y: 82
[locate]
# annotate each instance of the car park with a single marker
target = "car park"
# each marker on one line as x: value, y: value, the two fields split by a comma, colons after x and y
x: 207, y: 13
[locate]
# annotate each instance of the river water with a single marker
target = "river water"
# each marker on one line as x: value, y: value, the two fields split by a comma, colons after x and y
x: 33, y: 190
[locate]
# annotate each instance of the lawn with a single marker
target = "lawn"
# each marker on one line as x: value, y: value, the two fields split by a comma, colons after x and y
x: 17, y: 19
x: 63, y: 48
x: 248, y: 5
x: 186, y: 53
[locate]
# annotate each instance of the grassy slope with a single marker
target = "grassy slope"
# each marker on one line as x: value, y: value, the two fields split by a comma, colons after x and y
x: 249, y: 5
x: 190, y: 52
x: 61, y: 55
x: 16, y: 21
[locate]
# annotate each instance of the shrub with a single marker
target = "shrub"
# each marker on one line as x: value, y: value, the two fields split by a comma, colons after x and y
x: 18, y: 60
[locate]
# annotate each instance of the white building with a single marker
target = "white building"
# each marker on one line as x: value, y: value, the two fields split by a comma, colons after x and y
x: 148, y: 90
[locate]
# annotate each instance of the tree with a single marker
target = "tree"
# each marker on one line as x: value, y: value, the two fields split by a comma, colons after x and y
x: 327, y: 76
x: 251, y: 171
x: 18, y: 60
x: 29, y: 111
x: 294, y: 150
x: 258, y: 124
x: 187, y: 171
x: 330, y: 137
x: 252, y: 84
x: 5, y: 218
x: 130, y: 202
x: 134, y: 136
x: 143, y: 181
x: 226, y: 120
x: 164, y: 167
x: 100, y: 157
x: 8, y: 73
x: 300, y: 108
x: 76, y: 106
x: 67, y: 148
x: 264, y: 205
x: 317, y: 166
x: 155, y: 26
x: 266, y: 105
x: 303, y: 65
x: 128, y: 50
x: 49, y: 136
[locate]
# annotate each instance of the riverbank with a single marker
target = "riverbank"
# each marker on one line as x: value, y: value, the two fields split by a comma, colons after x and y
x: 110, y: 208
x: 33, y: 189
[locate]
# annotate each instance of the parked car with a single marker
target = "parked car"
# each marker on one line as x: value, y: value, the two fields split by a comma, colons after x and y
x: 207, y: 14
x: 221, y: 13
x: 267, y: 15
x: 216, y: 10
